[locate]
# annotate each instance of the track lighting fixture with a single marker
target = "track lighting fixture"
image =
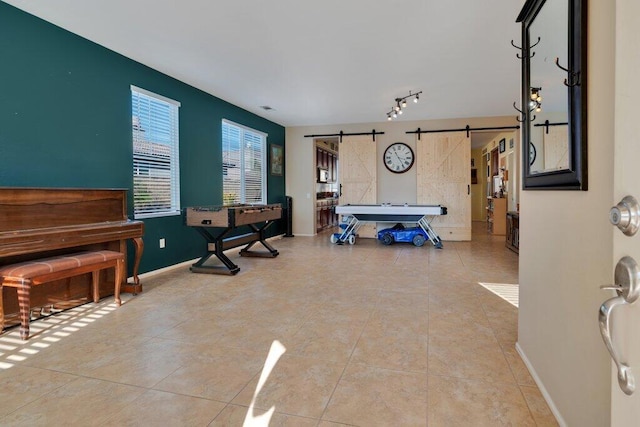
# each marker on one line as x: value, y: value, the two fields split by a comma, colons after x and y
x: 402, y: 103
x: 536, y: 99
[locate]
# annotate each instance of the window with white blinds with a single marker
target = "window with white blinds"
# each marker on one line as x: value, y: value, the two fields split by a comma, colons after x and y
x: 156, y: 172
x: 244, y: 176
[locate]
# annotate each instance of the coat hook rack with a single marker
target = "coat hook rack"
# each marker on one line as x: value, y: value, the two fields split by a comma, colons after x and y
x: 574, y: 77
x: 522, y: 49
x: 522, y: 113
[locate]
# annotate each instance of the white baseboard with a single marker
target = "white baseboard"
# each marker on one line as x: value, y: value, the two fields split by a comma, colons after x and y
x: 164, y: 269
x: 543, y: 390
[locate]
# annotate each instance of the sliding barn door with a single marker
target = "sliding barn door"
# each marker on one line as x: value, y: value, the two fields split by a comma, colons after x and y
x: 358, y: 175
x: 443, y: 172
x: 556, y: 149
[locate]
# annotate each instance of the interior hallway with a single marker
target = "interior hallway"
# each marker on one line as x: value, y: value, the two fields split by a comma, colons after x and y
x: 374, y: 336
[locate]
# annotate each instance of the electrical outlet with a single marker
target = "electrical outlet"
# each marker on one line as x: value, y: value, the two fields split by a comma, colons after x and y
x: 162, y: 243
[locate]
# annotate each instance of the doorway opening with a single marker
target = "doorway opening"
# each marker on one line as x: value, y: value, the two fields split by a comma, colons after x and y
x: 327, y: 182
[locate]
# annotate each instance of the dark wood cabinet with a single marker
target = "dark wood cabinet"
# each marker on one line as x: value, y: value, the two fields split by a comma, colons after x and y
x: 513, y: 230
x: 326, y: 214
x: 334, y: 168
x: 328, y: 161
x: 326, y: 188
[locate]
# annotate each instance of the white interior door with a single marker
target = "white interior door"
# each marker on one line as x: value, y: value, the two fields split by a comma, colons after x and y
x: 358, y: 175
x: 625, y: 410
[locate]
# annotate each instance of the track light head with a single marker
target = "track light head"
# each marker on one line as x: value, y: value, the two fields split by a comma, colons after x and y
x: 535, y: 92
x: 401, y: 103
x: 535, y: 102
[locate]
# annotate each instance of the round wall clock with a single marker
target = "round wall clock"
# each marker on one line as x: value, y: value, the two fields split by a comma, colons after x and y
x: 532, y: 153
x: 398, y: 157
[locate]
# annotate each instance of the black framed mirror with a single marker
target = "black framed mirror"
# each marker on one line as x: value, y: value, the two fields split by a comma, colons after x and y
x: 554, y: 94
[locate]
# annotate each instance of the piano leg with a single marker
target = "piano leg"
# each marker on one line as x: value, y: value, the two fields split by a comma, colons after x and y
x: 136, y: 286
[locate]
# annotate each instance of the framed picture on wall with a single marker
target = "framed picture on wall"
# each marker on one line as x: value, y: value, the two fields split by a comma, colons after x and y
x: 503, y: 143
x: 276, y: 160
x: 511, y: 143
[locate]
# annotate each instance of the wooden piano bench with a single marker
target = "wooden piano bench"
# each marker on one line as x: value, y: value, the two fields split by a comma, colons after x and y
x: 38, y: 271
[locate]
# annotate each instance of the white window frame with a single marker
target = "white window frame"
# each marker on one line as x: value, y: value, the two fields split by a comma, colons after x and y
x: 264, y: 164
x: 174, y: 156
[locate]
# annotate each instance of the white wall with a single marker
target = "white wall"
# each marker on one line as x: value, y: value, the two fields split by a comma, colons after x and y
x: 392, y: 188
x: 565, y: 255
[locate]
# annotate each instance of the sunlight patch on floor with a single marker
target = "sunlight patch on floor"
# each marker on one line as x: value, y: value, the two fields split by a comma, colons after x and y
x: 506, y: 291
x: 47, y: 330
x: 252, y: 420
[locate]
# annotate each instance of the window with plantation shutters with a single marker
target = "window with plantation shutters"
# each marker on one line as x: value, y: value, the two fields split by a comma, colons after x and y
x: 156, y: 173
x: 244, y: 175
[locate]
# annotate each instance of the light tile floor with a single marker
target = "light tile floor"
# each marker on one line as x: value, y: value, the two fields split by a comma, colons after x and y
x: 371, y: 335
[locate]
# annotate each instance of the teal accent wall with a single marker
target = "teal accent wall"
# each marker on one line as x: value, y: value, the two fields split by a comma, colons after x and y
x: 65, y: 121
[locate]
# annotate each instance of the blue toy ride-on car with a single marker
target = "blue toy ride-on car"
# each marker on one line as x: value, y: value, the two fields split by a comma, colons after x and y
x: 399, y: 233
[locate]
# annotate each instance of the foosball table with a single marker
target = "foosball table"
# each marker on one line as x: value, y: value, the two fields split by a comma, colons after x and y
x: 215, y: 223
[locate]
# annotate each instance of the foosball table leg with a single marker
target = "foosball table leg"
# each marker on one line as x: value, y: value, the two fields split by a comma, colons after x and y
x: 229, y: 267
x: 260, y: 236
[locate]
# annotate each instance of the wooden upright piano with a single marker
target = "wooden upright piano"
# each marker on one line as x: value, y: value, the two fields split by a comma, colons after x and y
x: 41, y: 222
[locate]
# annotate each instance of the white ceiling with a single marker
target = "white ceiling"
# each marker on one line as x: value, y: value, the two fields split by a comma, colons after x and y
x: 317, y: 62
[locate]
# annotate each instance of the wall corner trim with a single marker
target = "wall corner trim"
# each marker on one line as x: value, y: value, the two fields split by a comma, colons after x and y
x: 543, y: 390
